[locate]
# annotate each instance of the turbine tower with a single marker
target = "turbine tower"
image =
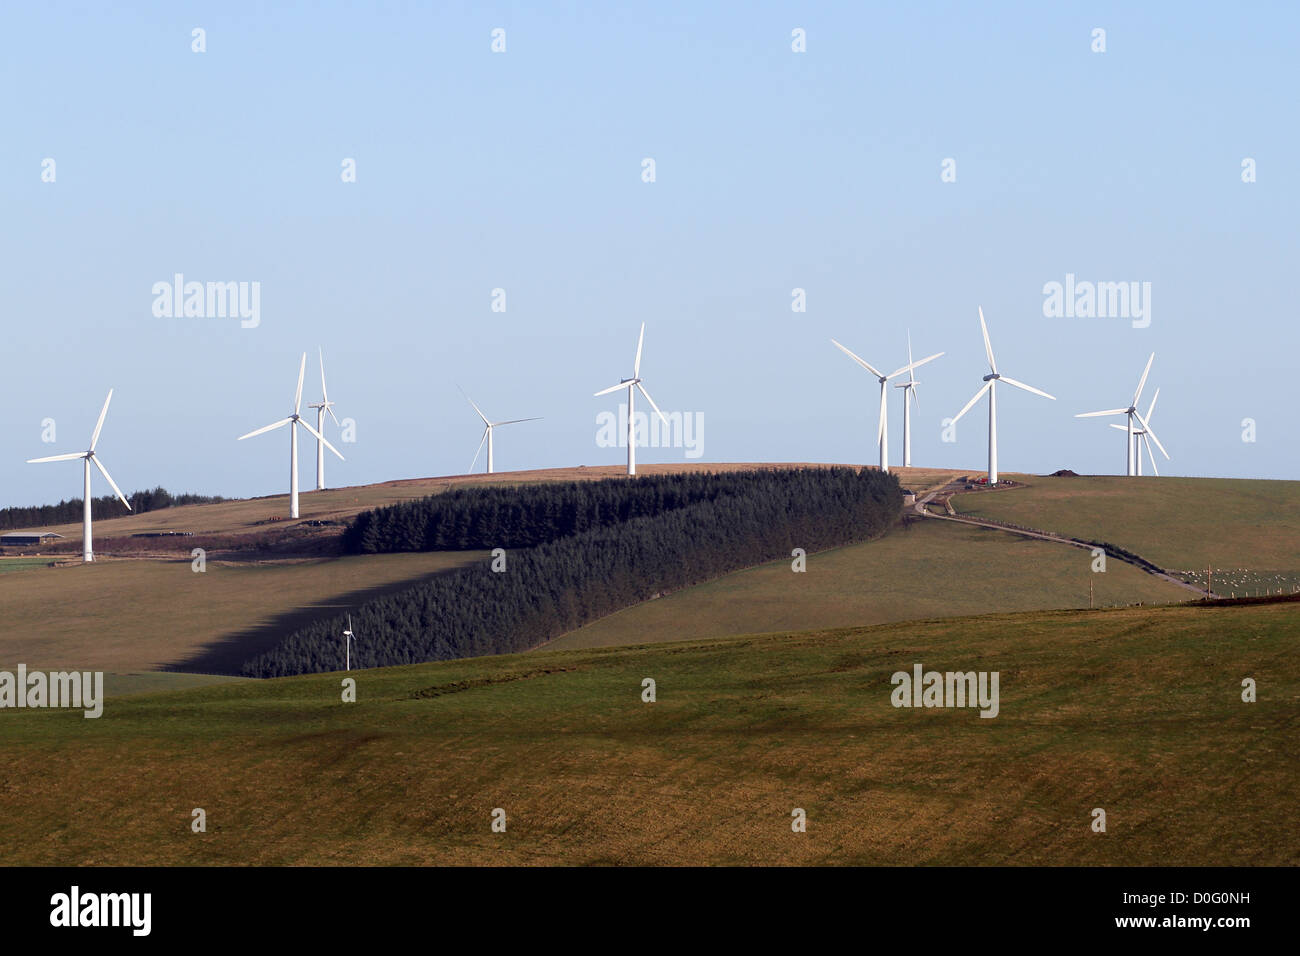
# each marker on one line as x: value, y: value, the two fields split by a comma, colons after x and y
x: 1130, y: 468
x: 88, y: 456
x: 990, y: 386
x: 882, y: 430
x: 1144, y: 435
x: 632, y: 385
x: 487, y: 433
x: 293, y: 421
x: 323, y: 406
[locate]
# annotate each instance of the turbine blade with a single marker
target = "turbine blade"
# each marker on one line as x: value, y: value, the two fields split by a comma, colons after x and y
x: 1109, y: 411
x: 69, y: 457
x: 297, y: 396
x: 915, y: 401
x: 330, y: 408
x: 104, y: 471
x: 476, y: 408
x: 478, y: 449
x: 612, y: 388
x: 636, y: 366
x: 855, y: 358
x: 1027, y: 388
x: 320, y: 438
x: 988, y: 347
x: 978, y: 396
x: 515, y: 421
x: 1152, y: 407
x: 1147, y: 428
x: 1151, y: 455
x: 265, y: 428
x: 1143, y: 380
x: 914, y: 365
x: 910, y: 377
x: 641, y: 389
x: 103, y: 413
x: 324, y: 395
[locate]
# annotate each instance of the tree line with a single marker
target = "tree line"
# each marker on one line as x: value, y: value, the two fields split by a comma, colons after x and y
x: 525, y: 515
x: 105, y: 506
x: 709, y: 525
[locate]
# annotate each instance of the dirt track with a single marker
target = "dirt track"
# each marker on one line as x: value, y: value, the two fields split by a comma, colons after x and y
x: 955, y: 486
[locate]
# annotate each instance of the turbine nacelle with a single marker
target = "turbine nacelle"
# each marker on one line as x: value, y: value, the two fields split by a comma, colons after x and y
x: 989, y: 380
x: 89, y: 457
x: 882, y: 427
x: 633, y: 385
x: 1133, y: 458
x: 487, y: 433
x: 294, y: 420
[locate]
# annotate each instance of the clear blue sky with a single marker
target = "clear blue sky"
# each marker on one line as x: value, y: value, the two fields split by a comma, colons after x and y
x: 522, y: 171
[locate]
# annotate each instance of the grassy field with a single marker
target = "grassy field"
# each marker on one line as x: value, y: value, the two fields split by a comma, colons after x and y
x: 122, y: 616
x: 932, y: 569
x: 1137, y: 711
x: 22, y: 564
x: 1179, y: 523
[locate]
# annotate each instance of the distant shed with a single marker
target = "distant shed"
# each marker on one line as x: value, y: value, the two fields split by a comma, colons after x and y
x: 28, y: 537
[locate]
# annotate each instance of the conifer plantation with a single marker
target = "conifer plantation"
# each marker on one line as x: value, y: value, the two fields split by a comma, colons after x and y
x: 576, y: 551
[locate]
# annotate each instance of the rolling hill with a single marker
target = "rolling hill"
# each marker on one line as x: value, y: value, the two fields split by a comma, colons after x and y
x: 930, y: 570
x: 127, y: 616
x: 1179, y: 523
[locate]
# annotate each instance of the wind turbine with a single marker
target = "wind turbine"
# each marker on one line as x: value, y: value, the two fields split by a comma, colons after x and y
x: 1143, y: 436
x: 487, y: 433
x: 1131, y: 413
x: 293, y: 421
x: 347, y: 637
x: 323, y: 406
x: 88, y: 456
x: 882, y: 430
x: 632, y: 385
x: 990, y: 383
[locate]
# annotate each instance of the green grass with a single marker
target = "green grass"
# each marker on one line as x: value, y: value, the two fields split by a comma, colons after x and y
x: 156, y: 682
x: 933, y: 569
x: 1134, y: 710
x: 1179, y: 523
x: 22, y: 564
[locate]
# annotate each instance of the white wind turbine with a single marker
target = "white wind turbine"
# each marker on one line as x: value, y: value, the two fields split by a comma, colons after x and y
x: 1131, y: 413
x: 487, y: 433
x: 631, y: 384
x: 882, y: 430
x: 347, y: 637
x: 990, y: 383
x: 1142, y: 435
x: 88, y: 456
x: 293, y: 421
x: 323, y: 406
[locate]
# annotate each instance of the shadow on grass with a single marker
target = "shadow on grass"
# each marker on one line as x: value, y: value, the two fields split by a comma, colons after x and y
x: 226, y: 655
